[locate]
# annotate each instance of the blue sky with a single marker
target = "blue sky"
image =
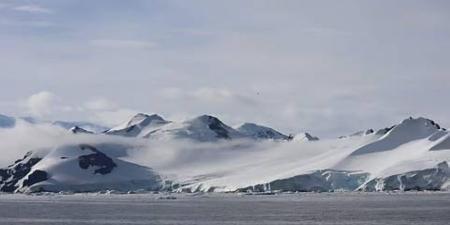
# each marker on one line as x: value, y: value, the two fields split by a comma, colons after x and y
x: 328, y: 67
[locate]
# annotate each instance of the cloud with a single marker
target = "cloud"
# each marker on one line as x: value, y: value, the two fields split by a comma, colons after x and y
x: 33, y: 9
x: 41, y: 104
x: 107, y: 112
x: 100, y: 104
x: 220, y: 95
x: 298, y: 56
x: 208, y: 95
x: 113, y: 117
x: 114, y: 43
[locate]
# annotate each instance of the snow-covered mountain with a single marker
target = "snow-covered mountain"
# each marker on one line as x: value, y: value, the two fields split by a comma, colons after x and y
x: 79, y: 130
x: 202, y: 128
x: 261, y: 132
x: 91, y: 127
x: 10, y: 122
x: 78, y: 168
x: 305, y: 137
x: 204, y: 154
x: 139, y: 125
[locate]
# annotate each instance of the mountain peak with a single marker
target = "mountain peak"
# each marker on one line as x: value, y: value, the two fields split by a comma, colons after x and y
x: 139, y: 125
x: 207, y: 128
x: 79, y: 130
x: 142, y: 118
x: 207, y: 119
x: 305, y: 137
x: 408, y: 130
x: 420, y: 121
x: 261, y: 132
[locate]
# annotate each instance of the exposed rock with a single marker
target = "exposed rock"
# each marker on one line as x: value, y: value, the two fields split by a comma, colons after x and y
x: 11, y: 175
x: 96, y: 159
x: 35, y: 177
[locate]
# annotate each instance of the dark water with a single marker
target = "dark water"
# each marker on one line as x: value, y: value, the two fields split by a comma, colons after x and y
x: 337, y: 208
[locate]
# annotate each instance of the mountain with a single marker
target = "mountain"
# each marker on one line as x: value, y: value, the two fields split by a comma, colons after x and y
x: 139, y: 125
x: 6, y: 121
x: 91, y: 127
x: 407, y: 131
x: 204, y: 128
x: 78, y: 168
x: 79, y: 130
x: 188, y: 157
x: 261, y: 132
x: 305, y: 137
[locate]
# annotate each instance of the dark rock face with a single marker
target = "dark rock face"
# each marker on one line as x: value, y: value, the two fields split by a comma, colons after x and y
x: 217, y: 126
x: 384, y: 130
x: 15, y: 172
x: 220, y: 131
x: 96, y: 159
x: 35, y: 177
x: 77, y: 130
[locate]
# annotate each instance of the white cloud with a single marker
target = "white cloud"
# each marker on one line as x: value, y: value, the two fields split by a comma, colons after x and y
x: 115, y: 43
x: 104, y: 111
x: 33, y: 9
x: 220, y: 95
x: 207, y: 94
x: 100, y: 104
x: 113, y: 117
x: 41, y: 104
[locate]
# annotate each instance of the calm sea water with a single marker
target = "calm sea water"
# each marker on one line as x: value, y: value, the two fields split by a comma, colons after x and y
x: 332, y: 208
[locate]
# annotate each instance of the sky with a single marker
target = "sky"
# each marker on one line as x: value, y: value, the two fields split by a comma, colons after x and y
x: 327, y: 67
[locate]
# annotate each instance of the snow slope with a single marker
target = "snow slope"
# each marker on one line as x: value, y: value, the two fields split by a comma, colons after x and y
x: 203, y: 129
x: 305, y: 137
x: 86, y: 168
x: 261, y: 132
x: 139, y: 125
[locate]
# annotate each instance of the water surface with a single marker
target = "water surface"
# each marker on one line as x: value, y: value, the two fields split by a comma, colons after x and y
x: 325, y: 208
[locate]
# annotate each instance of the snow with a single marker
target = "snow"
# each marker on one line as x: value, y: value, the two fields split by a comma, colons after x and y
x: 204, y: 128
x: 305, y: 137
x: 260, y: 132
x: 204, y: 154
x: 408, y: 130
x: 77, y: 130
x: 139, y: 125
x: 65, y: 174
x: 83, y: 125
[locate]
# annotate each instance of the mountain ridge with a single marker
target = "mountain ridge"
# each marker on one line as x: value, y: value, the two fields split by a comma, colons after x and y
x: 204, y: 154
